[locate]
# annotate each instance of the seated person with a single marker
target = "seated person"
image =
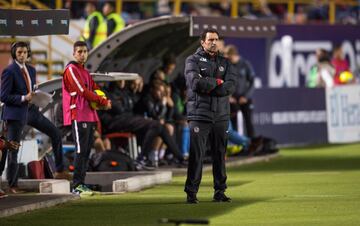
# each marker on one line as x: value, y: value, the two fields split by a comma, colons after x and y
x: 121, y: 118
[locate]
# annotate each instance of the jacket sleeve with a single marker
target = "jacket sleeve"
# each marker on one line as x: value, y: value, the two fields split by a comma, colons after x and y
x: 110, y: 26
x: 195, y: 81
x: 73, y: 83
x: 94, y: 23
x: 7, y: 85
x: 228, y: 87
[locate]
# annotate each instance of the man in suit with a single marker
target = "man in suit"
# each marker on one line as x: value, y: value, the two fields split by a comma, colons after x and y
x: 17, y: 82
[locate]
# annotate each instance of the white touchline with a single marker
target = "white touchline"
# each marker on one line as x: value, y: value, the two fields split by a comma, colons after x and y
x: 307, y: 173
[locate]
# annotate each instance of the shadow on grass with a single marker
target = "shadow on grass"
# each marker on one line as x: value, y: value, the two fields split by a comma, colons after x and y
x: 126, y: 210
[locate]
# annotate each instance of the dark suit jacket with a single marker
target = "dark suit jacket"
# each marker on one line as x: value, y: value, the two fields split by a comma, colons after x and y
x: 13, y: 86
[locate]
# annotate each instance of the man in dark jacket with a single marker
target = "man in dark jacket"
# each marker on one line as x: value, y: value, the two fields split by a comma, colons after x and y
x: 242, y: 97
x: 209, y: 81
x: 17, y: 82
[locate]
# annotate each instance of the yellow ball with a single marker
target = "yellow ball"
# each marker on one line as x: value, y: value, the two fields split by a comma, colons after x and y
x: 346, y: 77
x: 95, y: 105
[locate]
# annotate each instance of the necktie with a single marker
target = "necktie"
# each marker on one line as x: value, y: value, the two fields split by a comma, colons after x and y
x: 26, y: 79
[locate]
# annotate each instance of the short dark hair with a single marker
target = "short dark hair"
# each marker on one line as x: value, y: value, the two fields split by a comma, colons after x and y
x: 337, y: 46
x: 208, y: 30
x: 80, y: 43
x: 112, y: 4
x: 168, y: 59
x: 19, y: 44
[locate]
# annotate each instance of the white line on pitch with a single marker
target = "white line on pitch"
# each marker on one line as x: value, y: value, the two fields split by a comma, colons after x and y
x: 315, y: 196
x: 307, y: 173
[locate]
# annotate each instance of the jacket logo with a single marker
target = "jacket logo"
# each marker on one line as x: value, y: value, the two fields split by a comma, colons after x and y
x: 221, y: 68
x: 196, y: 129
x: 203, y: 59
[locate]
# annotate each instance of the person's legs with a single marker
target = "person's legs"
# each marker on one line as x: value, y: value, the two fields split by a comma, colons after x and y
x: 236, y: 138
x: 44, y: 125
x: 199, y: 134
x: 83, y: 137
x: 14, y: 130
x: 170, y: 142
x: 246, y: 110
x: 219, y: 136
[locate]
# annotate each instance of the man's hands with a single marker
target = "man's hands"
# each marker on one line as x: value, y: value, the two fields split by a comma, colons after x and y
x: 29, y: 96
x: 12, y: 145
x: 243, y: 100
x: 108, y: 105
x: 219, y: 81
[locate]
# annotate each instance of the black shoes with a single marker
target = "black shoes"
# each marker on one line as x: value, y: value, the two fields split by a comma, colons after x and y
x: 191, y: 199
x: 219, y: 196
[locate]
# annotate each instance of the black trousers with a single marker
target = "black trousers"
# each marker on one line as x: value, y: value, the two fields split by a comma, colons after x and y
x: 147, y: 130
x: 37, y: 120
x: 202, y: 134
x: 247, y: 110
x: 83, y: 135
x: 14, y: 131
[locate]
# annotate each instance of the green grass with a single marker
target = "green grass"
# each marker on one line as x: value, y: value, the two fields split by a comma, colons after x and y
x: 304, y: 186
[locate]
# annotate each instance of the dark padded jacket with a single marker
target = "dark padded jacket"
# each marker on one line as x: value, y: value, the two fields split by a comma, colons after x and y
x: 208, y: 101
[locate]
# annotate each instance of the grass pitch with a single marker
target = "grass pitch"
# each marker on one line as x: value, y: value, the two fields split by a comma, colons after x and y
x: 304, y: 186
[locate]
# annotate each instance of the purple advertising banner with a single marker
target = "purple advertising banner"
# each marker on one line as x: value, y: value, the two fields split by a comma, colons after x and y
x: 291, y: 115
x: 285, y: 61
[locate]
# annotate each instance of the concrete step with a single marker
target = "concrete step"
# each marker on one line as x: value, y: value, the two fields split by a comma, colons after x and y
x: 55, y: 187
x: 139, y: 183
x: 142, y: 179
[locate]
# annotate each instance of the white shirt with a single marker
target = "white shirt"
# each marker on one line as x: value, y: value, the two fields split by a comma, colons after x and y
x: 22, y: 66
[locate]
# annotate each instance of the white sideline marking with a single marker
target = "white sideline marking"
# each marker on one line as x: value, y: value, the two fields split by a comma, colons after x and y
x: 308, y: 173
x: 315, y: 196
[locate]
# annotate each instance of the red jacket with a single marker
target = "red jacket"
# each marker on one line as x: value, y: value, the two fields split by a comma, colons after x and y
x: 78, y: 91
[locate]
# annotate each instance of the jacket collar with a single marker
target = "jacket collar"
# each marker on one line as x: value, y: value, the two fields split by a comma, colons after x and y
x: 200, y: 51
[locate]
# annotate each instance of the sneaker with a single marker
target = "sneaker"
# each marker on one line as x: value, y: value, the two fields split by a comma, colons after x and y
x: 64, y: 175
x: 219, y: 196
x: 3, y: 194
x: 191, y: 198
x: 82, y: 190
x: 143, y: 165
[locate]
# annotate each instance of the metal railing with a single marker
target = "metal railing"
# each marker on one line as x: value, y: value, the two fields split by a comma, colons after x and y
x: 178, y: 3
x: 235, y: 5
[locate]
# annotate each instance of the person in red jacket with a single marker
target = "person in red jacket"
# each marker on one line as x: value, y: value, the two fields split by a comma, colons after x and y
x: 78, y: 92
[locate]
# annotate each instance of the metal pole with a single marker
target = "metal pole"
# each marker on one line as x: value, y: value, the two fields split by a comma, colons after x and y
x: 332, y: 12
x: 49, y: 77
x: 291, y: 10
x: 234, y: 8
x: 177, y: 7
x: 59, y: 4
x: 118, y: 6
